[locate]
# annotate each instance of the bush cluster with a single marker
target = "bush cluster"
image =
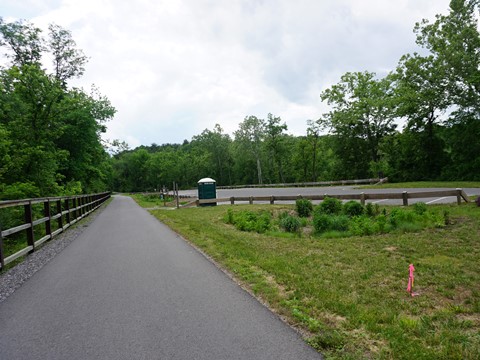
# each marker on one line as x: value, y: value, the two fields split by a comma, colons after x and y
x: 331, y: 215
x: 361, y: 220
x: 304, y: 207
x: 249, y: 220
x: 290, y: 223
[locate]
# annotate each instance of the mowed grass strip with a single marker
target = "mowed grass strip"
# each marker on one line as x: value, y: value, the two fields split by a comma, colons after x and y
x: 348, y: 295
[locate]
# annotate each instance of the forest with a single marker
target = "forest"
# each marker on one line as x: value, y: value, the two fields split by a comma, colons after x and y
x: 50, y: 134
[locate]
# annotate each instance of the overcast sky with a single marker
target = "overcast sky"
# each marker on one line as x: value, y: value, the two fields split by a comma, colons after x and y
x: 173, y: 68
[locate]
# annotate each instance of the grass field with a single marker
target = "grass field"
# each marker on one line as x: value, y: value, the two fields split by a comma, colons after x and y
x: 348, y: 295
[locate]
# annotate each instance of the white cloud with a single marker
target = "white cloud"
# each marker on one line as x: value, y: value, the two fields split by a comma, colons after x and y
x: 173, y: 68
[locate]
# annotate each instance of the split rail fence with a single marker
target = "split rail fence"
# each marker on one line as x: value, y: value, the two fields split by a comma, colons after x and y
x: 362, y: 197
x: 65, y: 211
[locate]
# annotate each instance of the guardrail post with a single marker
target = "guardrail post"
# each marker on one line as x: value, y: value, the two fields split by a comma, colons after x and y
x: 232, y: 200
x: 29, y: 220
x: 362, y: 198
x: 250, y: 200
x: 459, y: 196
x: 48, y: 223
x: 59, y: 211
x: 405, y: 198
x: 2, y: 255
x: 272, y: 200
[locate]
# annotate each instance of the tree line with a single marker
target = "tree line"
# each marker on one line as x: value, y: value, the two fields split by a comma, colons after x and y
x: 49, y: 132
x: 435, y: 95
x: 419, y: 122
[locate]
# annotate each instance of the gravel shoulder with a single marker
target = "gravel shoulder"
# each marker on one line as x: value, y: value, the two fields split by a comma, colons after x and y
x: 13, y: 278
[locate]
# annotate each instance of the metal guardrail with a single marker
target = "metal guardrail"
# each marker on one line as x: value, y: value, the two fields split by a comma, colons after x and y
x: 362, y: 197
x: 68, y: 210
x: 309, y: 184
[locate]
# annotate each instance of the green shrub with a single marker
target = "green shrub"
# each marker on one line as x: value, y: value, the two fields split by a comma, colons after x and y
x: 372, y: 210
x: 401, y: 216
x: 249, y: 220
x: 353, y: 208
x: 420, y: 208
x: 330, y: 206
x: 339, y: 223
x: 363, y: 225
x: 321, y: 222
x: 290, y: 223
x: 304, y: 207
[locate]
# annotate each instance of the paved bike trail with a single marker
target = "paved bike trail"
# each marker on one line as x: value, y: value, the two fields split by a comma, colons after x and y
x: 130, y: 288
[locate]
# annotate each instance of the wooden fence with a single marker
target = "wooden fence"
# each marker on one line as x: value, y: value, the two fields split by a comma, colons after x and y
x: 362, y: 197
x: 67, y: 210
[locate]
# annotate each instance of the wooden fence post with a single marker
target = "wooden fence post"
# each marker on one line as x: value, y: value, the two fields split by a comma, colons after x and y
x: 362, y: 198
x: 47, y: 214
x: 405, y: 198
x: 59, y: 211
x: 459, y: 196
x: 2, y: 255
x: 67, y: 208
x: 29, y: 220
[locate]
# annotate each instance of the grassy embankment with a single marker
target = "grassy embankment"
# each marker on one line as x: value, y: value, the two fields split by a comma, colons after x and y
x: 348, y: 295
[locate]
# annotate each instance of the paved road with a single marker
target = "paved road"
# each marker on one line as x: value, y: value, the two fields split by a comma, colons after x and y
x: 337, y: 190
x: 129, y: 288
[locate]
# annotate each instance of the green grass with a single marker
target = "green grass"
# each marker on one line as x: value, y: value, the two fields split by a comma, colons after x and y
x: 154, y: 201
x: 348, y: 295
x: 425, y: 184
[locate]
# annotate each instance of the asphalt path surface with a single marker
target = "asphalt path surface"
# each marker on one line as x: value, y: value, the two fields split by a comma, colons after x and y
x: 338, y: 190
x: 130, y: 288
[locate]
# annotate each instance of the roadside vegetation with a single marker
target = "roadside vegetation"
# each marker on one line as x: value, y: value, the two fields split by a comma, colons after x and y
x: 346, y: 291
x: 156, y: 200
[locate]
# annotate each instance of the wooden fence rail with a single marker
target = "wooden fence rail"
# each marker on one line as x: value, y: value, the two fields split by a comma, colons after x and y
x: 68, y: 210
x: 362, y: 197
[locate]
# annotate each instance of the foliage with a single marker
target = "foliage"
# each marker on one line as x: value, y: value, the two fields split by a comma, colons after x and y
x: 249, y: 221
x: 290, y: 223
x: 303, y: 207
x: 329, y: 206
x: 52, y: 131
x: 353, y: 208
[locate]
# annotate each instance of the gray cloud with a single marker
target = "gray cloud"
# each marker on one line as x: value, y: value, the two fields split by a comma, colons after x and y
x: 173, y: 68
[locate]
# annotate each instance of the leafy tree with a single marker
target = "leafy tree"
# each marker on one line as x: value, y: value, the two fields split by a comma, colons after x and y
x: 274, y: 141
x: 68, y: 61
x: 362, y: 115
x: 53, y: 132
x: 249, y: 137
x: 217, y: 145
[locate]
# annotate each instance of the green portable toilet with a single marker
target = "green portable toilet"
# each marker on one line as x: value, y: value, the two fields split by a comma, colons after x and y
x: 207, y: 189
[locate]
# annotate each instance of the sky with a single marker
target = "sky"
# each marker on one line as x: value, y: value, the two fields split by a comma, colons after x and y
x: 173, y: 68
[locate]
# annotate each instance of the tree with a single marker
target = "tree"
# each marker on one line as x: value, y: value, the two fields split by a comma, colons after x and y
x: 274, y: 140
x: 362, y: 115
x: 217, y: 145
x: 454, y: 42
x: 249, y: 137
x: 23, y: 40
x: 68, y: 61
x: 53, y: 132
x: 422, y: 96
